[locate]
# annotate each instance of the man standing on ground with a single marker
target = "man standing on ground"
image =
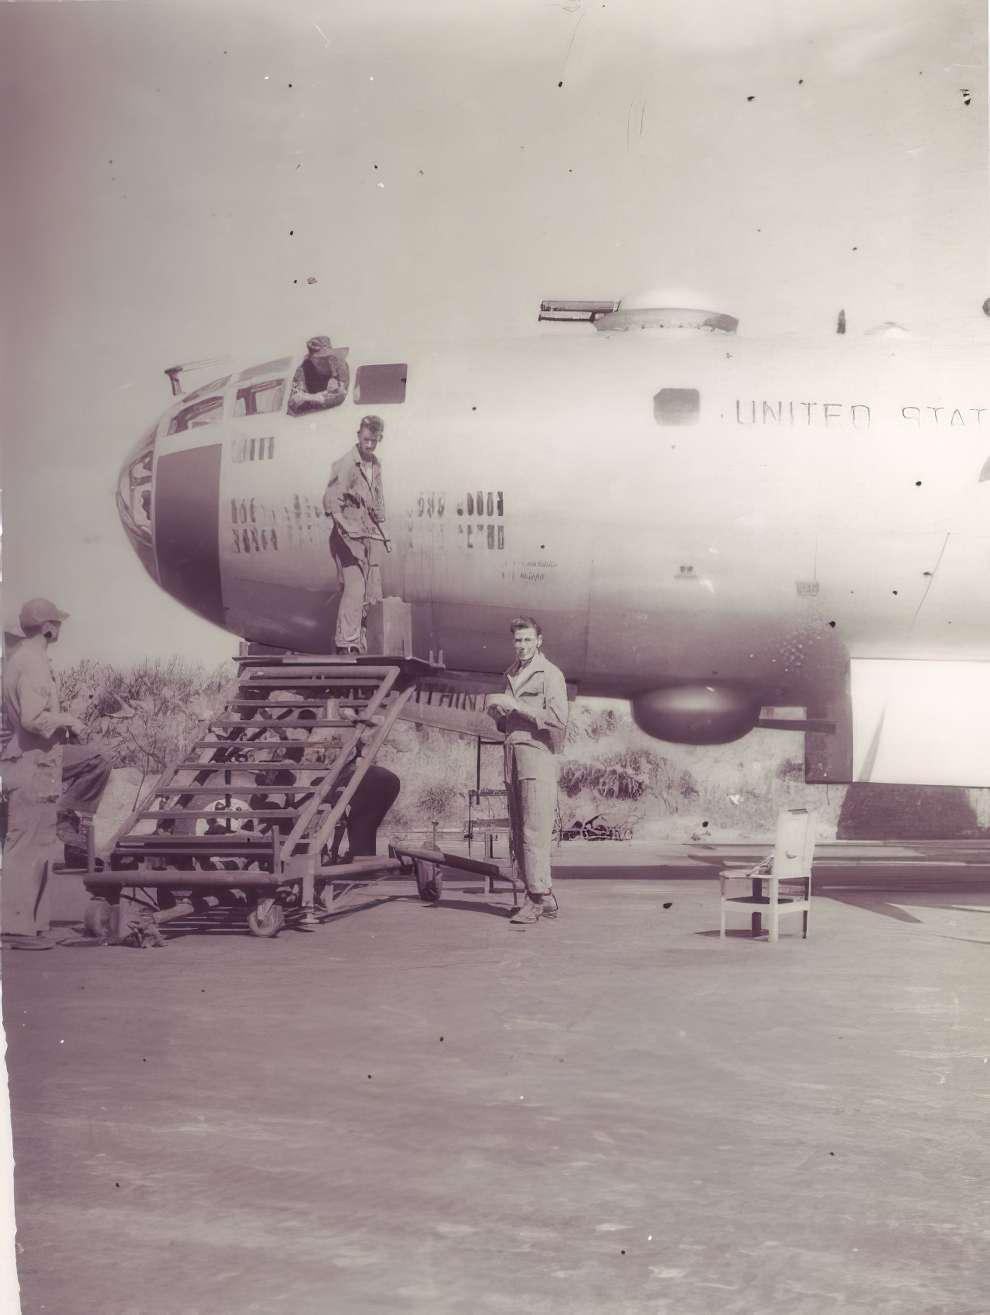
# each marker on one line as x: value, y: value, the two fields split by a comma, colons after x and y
x: 532, y: 714
x: 354, y: 499
x: 36, y: 763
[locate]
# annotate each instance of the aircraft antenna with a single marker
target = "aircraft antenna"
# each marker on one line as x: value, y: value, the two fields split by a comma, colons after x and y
x: 173, y: 371
x: 840, y: 324
x: 582, y: 312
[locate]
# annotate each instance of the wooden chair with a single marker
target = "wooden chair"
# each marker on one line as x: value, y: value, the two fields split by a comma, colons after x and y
x: 789, y: 865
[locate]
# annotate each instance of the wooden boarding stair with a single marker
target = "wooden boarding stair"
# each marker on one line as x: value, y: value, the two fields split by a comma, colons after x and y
x: 271, y: 745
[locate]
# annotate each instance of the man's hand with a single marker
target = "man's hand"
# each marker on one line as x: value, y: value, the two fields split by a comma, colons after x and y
x: 508, y: 704
x: 500, y: 705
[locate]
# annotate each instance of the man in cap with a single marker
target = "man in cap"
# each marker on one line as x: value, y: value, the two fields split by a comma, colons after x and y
x: 37, y: 765
x: 355, y: 501
x: 532, y: 714
x: 322, y: 379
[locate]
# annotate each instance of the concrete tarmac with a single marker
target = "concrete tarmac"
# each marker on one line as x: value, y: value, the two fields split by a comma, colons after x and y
x: 426, y: 1109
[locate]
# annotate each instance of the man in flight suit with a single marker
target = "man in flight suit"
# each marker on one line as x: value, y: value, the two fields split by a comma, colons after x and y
x: 355, y: 501
x: 532, y: 714
x: 36, y: 764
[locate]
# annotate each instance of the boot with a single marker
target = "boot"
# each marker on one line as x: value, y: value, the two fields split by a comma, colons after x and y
x: 531, y: 911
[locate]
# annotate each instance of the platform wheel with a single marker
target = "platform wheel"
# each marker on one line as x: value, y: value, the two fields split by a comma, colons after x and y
x: 429, y: 881
x: 101, y: 919
x: 267, y: 918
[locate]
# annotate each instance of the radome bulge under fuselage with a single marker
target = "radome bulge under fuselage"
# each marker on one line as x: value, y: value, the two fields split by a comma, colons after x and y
x: 672, y: 508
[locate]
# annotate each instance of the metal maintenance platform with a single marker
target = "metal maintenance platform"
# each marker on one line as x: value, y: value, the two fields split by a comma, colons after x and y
x: 258, y: 802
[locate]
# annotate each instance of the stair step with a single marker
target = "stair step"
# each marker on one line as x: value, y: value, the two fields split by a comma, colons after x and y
x: 256, y: 766
x: 285, y: 705
x: 170, y: 844
x: 251, y: 745
x: 220, y: 792
x: 236, y: 815
x: 309, y: 675
x: 248, y: 723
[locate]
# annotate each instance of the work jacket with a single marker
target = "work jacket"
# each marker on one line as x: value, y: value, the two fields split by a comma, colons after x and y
x: 33, y: 727
x: 530, y: 746
x: 356, y: 503
x: 307, y: 392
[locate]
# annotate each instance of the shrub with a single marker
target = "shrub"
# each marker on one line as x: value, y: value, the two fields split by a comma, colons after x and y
x: 144, y: 716
x: 906, y: 812
x: 628, y: 775
x: 436, y: 802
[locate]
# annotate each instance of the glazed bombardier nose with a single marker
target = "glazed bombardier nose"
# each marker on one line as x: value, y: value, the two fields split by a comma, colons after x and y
x: 168, y: 503
x: 134, y: 499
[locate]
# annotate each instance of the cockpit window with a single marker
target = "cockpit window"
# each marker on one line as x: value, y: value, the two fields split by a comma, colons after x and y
x: 676, y: 406
x: 215, y: 386
x: 206, y: 411
x: 268, y: 367
x: 260, y: 399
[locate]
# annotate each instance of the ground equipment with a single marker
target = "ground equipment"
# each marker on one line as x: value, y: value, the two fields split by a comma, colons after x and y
x: 256, y: 805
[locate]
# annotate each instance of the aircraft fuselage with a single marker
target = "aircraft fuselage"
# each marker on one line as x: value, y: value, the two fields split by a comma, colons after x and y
x: 672, y: 508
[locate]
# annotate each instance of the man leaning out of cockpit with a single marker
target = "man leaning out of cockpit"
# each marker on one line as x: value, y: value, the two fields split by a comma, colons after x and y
x: 321, y: 381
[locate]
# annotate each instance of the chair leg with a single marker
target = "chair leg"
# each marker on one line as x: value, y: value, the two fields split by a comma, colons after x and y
x: 774, y: 912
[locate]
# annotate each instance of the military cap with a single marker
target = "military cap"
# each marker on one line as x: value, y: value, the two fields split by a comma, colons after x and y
x: 320, y: 345
x: 39, y: 610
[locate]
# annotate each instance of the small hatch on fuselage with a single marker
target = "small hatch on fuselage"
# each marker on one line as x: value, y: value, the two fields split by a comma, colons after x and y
x: 381, y: 383
x: 677, y: 406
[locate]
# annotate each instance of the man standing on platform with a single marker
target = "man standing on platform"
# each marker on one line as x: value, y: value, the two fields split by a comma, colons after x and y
x: 532, y: 714
x: 355, y: 501
x: 41, y: 774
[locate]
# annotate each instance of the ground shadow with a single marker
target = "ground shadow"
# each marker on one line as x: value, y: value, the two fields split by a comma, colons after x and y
x: 886, y: 908
x: 469, y: 906
x: 734, y: 933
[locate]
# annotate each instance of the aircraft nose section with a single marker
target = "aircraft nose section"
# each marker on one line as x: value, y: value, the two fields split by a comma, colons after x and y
x: 134, y: 490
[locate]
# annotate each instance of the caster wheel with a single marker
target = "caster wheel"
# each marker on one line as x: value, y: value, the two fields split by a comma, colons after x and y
x: 101, y: 919
x: 429, y: 881
x: 267, y: 918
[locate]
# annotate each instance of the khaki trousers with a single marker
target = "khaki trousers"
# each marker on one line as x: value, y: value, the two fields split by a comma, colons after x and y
x: 85, y: 772
x: 359, y: 564
x: 31, y: 784
x: 532, y: 804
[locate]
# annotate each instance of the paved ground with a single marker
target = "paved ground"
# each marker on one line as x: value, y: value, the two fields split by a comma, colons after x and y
x: 427, y: 1110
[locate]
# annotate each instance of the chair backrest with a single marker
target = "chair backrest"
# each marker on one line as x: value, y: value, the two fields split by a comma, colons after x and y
x: 794, y: 844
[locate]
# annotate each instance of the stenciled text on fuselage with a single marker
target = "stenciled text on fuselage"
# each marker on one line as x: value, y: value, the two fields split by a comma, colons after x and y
x: 755, y: 412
